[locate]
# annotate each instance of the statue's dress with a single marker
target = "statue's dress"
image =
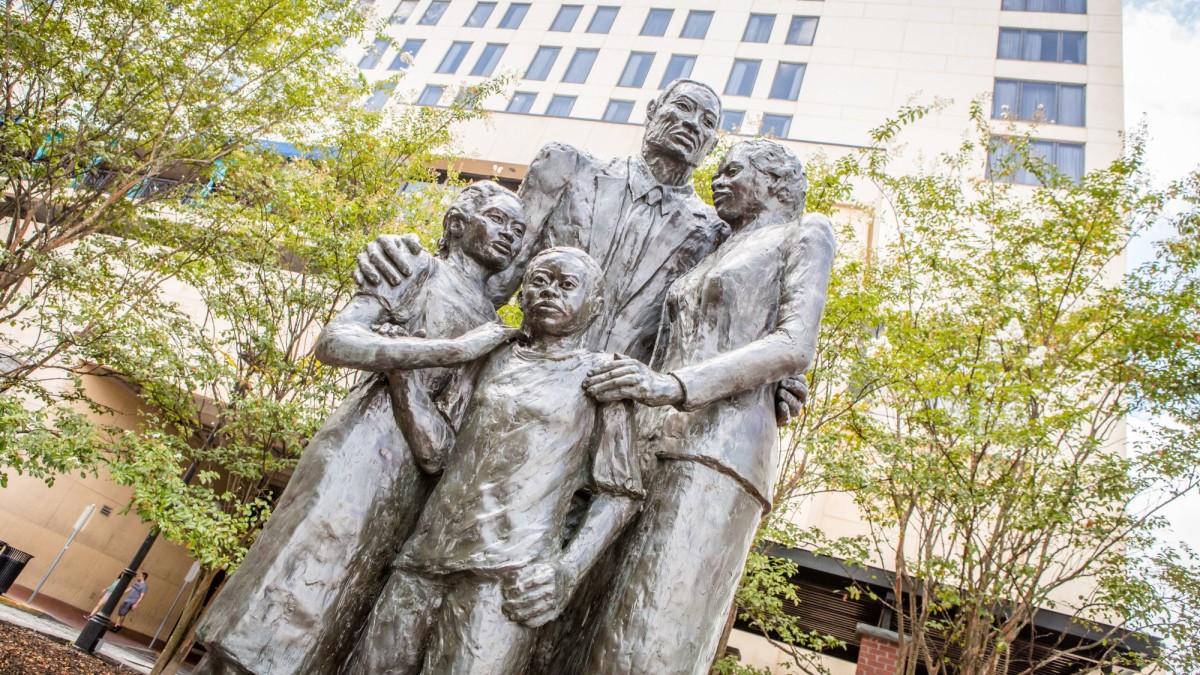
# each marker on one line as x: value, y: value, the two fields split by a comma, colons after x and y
x: 739, y: 322
x: 298, y: 600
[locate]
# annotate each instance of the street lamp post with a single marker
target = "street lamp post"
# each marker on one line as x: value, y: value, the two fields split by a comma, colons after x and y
x: 98, y: 624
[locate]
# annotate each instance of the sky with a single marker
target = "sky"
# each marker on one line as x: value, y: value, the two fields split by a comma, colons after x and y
x: 1162, y: 87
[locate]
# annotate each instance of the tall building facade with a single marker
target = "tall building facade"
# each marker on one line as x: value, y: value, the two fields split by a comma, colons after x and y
x: 814, y: 74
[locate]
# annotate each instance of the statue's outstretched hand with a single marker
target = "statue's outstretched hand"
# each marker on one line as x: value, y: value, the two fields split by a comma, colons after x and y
x: 626, y: 378
x: 482, y: 340
x: 790, y: 398
x: 536, y: 594
x: 390, y: 258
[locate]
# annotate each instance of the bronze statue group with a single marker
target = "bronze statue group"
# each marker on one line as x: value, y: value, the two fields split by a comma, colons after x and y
x: 579, y: 495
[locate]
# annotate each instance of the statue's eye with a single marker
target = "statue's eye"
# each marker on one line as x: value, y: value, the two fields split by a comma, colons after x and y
x: 569, y: 284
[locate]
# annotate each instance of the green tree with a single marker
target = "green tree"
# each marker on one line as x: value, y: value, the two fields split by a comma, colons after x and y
x: 975, y: 371
x: 110, y: 109
x: 227, y: 375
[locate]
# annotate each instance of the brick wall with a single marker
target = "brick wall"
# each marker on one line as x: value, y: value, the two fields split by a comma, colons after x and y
x: 877, y: 652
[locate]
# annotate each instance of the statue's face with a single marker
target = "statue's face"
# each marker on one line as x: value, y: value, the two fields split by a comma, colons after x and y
x: 684, y: 126
x: 558, y: 296
x: 492, y: 234
x: 739, y: 189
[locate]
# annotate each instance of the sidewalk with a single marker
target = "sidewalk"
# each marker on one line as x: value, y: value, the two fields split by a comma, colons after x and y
x: 62, y: 621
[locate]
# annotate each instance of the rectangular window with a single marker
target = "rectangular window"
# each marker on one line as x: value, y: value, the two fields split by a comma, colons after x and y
x: 580, y: 66
x: 1048, y: 102
x: 403, y: 11
x: 379, y: 97
x: 1042, y: 45
x: 567, y: 16
x: 696, y: 25
x: 480, y: 15
x: 636, y: 69
x: 618, y: 111
x: 777, y: 126
x: 434, y: 12
x: 758, y: 28
x: 522, y: 102
x: 543, y: 61
x: 742, y: 77
x: 560, y: 106
x: 656, y: 22
x: 731, y: 121
x: 1066, y: 158
x: 371, y: 58
x: 787, y: 81
x: 454, y: 57
x: 514, y: 15
x: 679, y: 66
x: 802, y: 30
x: 407, y: 53
x: 1056, y: 6
x: 431, y: 95
x: 488, y: 60
x: 603, y: 19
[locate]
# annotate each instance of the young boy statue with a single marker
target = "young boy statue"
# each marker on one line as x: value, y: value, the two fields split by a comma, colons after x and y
x: 486, y: 564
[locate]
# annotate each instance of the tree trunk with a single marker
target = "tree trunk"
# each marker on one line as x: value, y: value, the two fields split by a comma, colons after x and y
x: 180, y: 643
x: 724, y: 641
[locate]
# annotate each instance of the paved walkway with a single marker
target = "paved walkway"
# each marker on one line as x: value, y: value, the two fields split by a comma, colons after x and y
x: 54, y: 619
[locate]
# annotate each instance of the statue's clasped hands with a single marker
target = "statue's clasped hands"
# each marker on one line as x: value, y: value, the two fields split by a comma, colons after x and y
x: 536, y: 594
x: 629, y: 379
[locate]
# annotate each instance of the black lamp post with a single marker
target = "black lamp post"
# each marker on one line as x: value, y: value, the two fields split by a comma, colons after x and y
x: 98, y: 624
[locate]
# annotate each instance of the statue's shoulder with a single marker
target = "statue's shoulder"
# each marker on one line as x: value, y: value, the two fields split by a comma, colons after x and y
x: 559, y: 163
x: 817, y: 226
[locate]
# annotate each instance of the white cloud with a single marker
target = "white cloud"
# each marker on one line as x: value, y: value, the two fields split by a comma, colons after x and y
x: 1162, y: 66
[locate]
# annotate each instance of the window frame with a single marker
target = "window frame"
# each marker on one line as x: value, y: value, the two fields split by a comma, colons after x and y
x: 398, y: 62
x: 490, y: 8
x: 770, y: 18
x: 787, y: 125
x: 429, y: 17
x: 531, y: 100
x: 492, y: 47
x: 508, y: 16
x: 618, y: 104
x: 555, y: 51
x: 797, y: 18
x: 441, y: 91
x: 684, y: 72
x: 577, y: 9
x: 626, y: 73
x: 735, y: 128
x: 587, y: 70
x: 704, y: 15
x: 797, y: 81
x: 757, y: 68
x: 657, y: 12
x: 610, y: 13
x: 445, y: 66
x: 1015, y: 109
x: 558, y: 98
x: 1060, y: 44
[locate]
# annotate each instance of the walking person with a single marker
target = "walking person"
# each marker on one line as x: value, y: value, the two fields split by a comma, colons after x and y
x: 133, y: 597
x: 103, y: 598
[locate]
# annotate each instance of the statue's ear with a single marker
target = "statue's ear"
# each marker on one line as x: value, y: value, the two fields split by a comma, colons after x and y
x: 651, y: 109
x: 454, y: 224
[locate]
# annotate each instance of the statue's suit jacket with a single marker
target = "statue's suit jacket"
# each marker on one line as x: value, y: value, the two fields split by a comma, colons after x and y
x: 572, y: 198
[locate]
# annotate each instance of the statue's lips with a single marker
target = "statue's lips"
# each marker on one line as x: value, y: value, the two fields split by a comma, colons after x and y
x: 503, y: 248
x: 685, y: 138
x: 547, y: 307
x: 721, y: 195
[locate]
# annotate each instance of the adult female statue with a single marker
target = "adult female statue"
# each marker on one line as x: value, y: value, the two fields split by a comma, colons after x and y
x: 298, y: 601
x: 742, y: 320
